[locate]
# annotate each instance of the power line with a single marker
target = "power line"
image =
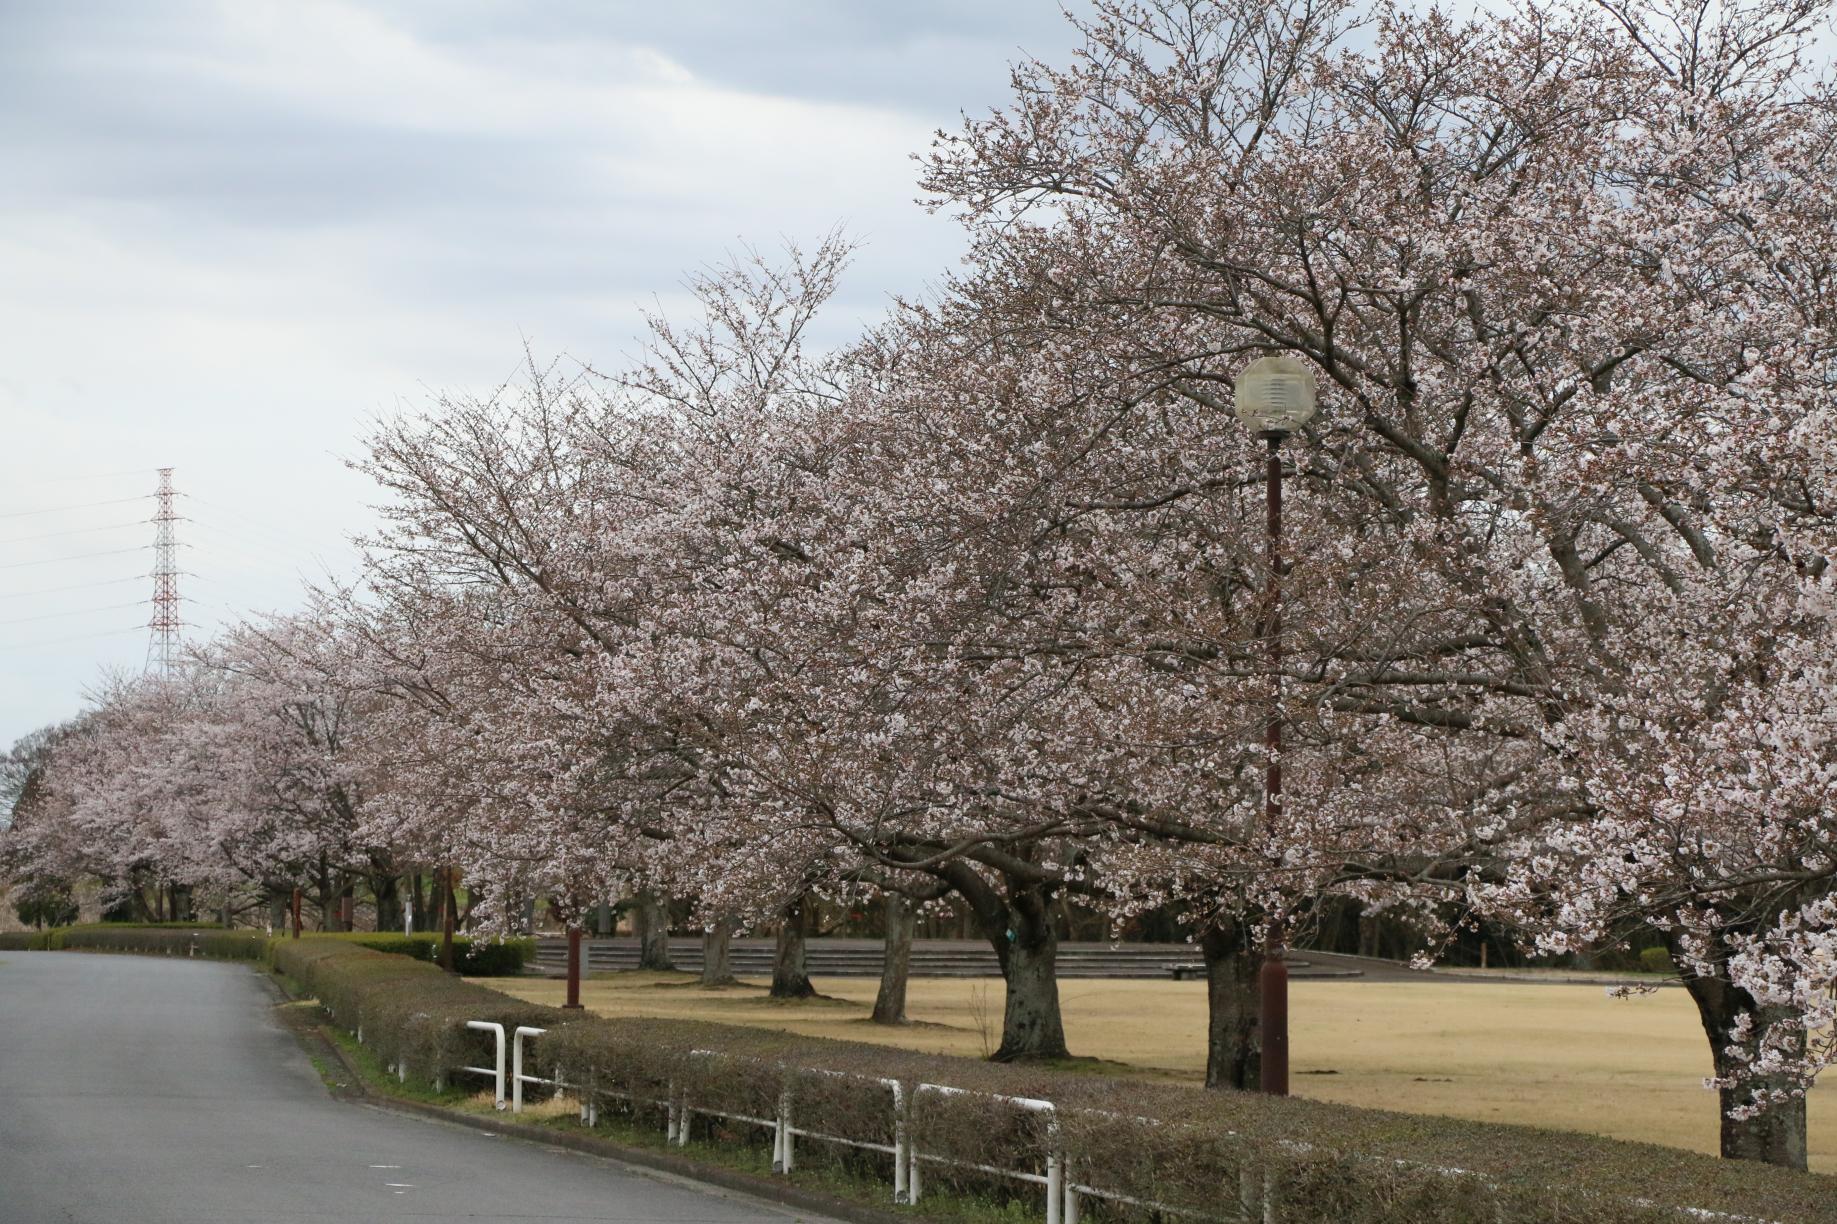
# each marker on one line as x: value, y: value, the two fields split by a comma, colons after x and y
x: 81, y: 637
x: 20, y: 620
x: 115, y: 501
x: 281, y: 535
x: 75, y: 586
x: 32, y: 484
x: 113, y: 552
x: 52, y: 535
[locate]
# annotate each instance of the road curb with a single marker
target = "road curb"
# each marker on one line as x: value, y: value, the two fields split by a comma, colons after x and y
x: 770, y: 1190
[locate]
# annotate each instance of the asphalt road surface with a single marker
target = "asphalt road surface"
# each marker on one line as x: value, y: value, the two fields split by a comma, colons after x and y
x: 163, y: 1092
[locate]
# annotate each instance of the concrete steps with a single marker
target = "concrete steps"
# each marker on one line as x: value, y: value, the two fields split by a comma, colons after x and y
x: 930, y: 958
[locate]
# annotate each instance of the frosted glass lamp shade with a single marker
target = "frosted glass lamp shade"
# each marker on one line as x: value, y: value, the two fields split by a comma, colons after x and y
x: 1275, y: 395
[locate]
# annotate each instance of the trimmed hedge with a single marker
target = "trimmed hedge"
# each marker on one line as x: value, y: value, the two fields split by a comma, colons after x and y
x: 471, y: 957
x: 204, y: 941
x: 1181, y: 1147
x: 406, y: 1010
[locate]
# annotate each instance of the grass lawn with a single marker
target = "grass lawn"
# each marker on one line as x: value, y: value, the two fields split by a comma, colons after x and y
x: 1563, y: 1056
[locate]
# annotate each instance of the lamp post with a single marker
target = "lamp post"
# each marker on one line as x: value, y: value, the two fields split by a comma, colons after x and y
x: 1275, y: 397
x: 574, y: 934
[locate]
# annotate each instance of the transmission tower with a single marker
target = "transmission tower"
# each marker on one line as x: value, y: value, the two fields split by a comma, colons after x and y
x: 163, y: 641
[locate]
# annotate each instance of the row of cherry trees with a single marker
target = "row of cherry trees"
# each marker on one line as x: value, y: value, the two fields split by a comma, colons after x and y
x: 973, y: 607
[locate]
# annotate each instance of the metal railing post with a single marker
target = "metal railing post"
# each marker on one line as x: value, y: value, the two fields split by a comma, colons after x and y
x: 516, y: 1066
x: 497, y: 1031
x: 783, y: 1134
x: 899, y: 1143
x: 1055, y: 1172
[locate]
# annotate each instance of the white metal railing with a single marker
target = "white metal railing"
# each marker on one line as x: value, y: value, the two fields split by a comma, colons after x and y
x: 1053, y: 1179
x: 1064, y: 1195
x: 517, y: 1078
x: 496, y: 1073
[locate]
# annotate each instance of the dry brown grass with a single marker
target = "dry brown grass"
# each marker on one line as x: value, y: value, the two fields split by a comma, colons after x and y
x: 1563, y: 1056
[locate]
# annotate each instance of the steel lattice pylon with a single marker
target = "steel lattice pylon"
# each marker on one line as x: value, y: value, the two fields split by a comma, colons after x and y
x: 163, y: 641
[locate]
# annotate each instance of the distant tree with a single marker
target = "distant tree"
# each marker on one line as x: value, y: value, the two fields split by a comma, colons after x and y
x: 46, y: 904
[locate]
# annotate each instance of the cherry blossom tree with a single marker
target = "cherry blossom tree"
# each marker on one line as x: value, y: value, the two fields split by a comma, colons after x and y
x: 1565, y: 276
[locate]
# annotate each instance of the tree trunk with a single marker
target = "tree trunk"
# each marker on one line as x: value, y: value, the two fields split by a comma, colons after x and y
x: 277, y: 909
x: 717, y: 958
x: 334, y: 905
x: 446, y: 881
x: 790, y: 980
x: 1018, y: 923
x: 1777, y: 1136
x: 896, y: 961
x: 1031, y: 1026
x: 652, y: 922
x: 388, y: 892
x: 1234, y: 1034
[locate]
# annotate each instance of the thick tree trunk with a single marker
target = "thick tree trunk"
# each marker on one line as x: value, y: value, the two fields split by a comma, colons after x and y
x: 324, y: 896
x: 1018, y: 923
x: 388, y: 891
x: 1777, y: 1136
x: 652, y: 923
x: 1031, y: 1026
x: 896, y: 962
x: 790, y: 980
x: 277, y: 909
x: 1234, y: 1035
x: 717, y: 955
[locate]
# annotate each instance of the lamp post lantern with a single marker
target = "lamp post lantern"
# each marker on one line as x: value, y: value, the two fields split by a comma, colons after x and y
x: 1274, y: 396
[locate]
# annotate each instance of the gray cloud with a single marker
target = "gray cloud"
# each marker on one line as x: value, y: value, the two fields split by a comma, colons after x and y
x: 231, y: 232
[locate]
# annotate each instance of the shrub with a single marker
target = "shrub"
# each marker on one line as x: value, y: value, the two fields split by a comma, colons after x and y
x: 1176, y: 1146
x: 406, y: 1009
x: 1656, y: 960
x: 24, y: 941
x: 164, y: 940
x: 47, y: 905
x: 471, y: 957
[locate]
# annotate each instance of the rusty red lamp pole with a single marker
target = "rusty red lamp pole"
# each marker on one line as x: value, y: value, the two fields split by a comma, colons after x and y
x: 573, y: 1003
x: 1275, y: 397
x: 296, y: 913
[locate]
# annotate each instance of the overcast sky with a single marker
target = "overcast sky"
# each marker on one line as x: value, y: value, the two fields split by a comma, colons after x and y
x: 232, y: 232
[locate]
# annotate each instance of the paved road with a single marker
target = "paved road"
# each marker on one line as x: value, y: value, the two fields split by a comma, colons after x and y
x: 162, y: 1092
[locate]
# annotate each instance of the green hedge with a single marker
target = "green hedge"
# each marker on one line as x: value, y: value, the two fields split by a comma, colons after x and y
x: 165, y: 940
x: 471, y: 957
x: 407, y: 1010
x: 1181, y: 1147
